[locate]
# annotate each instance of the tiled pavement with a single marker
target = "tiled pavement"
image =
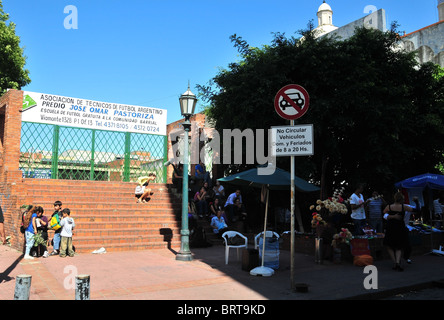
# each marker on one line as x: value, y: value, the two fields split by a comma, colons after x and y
x: 156, y: 275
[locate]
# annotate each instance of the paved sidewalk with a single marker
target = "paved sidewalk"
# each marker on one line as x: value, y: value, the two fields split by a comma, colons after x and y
x: 156, y: 275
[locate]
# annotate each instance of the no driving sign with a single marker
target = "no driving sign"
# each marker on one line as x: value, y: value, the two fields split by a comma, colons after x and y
x: 291, y: 102
x: 292, y: 140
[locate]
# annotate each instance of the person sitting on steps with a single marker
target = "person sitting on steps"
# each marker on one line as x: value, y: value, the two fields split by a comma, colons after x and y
x: 147, y: 191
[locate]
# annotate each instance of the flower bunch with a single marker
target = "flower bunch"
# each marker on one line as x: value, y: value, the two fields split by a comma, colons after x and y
x: 332, y: 204
x: 379, y: 196
x: 317, y: 220
x: 342, y: 237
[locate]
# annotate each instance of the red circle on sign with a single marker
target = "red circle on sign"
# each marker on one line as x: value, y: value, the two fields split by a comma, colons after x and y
x: 291, y: 102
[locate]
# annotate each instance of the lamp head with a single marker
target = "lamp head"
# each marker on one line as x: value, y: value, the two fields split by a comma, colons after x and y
x: 188, y: 102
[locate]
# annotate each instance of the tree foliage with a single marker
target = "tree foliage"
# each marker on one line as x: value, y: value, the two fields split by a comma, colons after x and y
x: 13, y: 75
x: 377, y: 114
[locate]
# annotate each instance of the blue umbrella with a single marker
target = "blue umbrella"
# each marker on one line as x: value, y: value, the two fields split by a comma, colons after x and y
x: 427, y: 180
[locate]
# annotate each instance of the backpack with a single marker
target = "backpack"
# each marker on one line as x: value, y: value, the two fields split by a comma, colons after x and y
x: 54, y: 223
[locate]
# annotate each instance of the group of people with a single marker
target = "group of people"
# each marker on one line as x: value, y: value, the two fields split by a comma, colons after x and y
x: 395, y: 217
x: 35, y: 225
x: 209, y: 201
x: 222, y: 213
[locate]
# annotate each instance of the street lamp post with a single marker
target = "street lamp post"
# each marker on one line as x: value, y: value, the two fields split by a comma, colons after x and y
x: 187, y: 104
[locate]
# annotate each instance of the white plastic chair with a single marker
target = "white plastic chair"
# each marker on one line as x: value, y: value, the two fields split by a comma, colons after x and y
x: 230, y: 234
x: 268, y: 234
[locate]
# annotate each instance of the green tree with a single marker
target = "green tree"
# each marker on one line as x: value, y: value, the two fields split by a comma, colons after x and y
x: 13, y: 75
x: 377, y: 114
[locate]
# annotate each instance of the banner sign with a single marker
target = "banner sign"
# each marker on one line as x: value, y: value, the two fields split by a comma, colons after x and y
x: 89, y: 114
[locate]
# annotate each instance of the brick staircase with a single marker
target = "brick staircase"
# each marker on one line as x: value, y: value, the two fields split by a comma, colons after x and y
x: 107, y: 215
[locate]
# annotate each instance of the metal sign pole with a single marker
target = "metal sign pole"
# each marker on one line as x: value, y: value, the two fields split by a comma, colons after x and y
x: 291, y: 102
x: 292, y: 237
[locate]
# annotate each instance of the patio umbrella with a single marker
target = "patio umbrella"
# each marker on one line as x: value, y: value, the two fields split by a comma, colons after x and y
x: 279, y: 180
x: 427, y: 180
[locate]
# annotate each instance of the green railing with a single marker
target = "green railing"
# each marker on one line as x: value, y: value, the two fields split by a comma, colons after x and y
x: 57, y: 152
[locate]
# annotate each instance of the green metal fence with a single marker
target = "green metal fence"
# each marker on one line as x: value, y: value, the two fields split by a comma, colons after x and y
x: 57, y: 152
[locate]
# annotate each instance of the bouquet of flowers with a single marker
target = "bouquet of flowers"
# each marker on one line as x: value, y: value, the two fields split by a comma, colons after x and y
x: 342, y: 237
x: 317, y: 220
x: 333, y: 204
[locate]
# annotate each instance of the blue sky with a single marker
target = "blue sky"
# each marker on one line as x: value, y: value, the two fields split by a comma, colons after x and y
x: 144, y: 52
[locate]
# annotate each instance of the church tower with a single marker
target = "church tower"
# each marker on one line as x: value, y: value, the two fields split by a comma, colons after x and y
x: 325, y: 15
x: 325, y: 20
x: 441, y: 10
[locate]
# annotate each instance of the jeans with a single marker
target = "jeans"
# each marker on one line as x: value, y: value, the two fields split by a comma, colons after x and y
x: 202, y: 207
x: 376, y: 224
x: 29, y: 236
x: 56, y: 241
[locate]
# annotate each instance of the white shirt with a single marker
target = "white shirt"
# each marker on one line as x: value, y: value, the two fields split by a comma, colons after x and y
x: 358, y: 213
x: 139, y: 190
x: 231, y: 198
x: 219, y: 191
x: 67, y: 226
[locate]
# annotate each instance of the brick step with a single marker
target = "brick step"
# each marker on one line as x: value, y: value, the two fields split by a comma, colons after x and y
x: 89, y: 248
x: 126, y: 218
x: 54, y: 182
x: 98, y: 241
x: 78, y: 185
x: 107, y: 215
x: 104, y: 204
x: 114, y: 202
x: 94, y: 193
x: 123, y: 232
x: 102, y: 209
x: 107, y: 224
x: 97, y: 197
x: 82, y: 189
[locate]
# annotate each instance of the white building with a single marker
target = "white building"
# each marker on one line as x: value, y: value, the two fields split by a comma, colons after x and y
x: 428, y: 42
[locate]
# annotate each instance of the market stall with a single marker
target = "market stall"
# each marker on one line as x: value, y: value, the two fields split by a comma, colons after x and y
x: 423, y: 187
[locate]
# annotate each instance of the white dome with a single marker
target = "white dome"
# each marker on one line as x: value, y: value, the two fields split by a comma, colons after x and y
x: 324, y: 7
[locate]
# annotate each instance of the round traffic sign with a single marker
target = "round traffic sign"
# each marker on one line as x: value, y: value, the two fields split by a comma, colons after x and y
x: 291, y: 102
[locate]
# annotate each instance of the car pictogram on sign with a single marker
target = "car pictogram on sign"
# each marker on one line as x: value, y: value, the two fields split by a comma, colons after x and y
x: 291, y: 102
x: 297, y: 98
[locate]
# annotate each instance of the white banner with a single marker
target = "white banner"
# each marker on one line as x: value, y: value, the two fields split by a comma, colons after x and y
x: 89, y: 114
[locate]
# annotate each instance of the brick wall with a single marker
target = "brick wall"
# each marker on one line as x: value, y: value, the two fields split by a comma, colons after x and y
x: 11, y: 182
x: 198, y: 123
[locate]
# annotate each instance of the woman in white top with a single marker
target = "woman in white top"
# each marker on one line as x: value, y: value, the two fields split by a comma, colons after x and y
x: 219, y: 190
